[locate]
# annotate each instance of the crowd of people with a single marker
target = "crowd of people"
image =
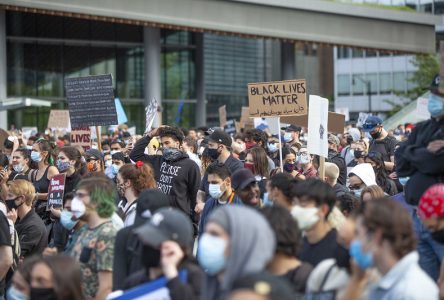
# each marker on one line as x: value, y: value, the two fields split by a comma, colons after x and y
x: 201, y: 214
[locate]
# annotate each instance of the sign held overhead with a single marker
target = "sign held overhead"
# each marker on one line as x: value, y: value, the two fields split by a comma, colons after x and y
x: 277, y: 98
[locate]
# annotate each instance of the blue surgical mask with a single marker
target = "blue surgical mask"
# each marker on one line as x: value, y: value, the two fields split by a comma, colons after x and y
x: 363, y: 259
x: 357, y: 192
x: 15, y: 294
x: 267, y: 201
x: 403, y: 180
x: 272, y: 147
x: 435, y: 105
x: 115, y: 169
x: 211, y: 253
x: 66, y: 220
x: 215, y: 191
x: 35, y: 156
x: 288, y: 137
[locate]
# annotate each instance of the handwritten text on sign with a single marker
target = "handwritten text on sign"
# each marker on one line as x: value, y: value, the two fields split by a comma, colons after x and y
x: 278, y: 98
x: 81, y: 137
x: 56, y: 191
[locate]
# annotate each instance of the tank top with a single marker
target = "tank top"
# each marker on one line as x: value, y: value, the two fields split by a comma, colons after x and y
x: 41, y: 185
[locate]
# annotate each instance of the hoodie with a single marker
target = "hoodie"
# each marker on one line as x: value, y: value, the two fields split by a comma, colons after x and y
x: 179, y: 179
x: 365, y: 172
x: 252, y: 245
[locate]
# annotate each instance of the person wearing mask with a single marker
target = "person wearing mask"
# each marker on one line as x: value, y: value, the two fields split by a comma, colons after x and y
x: 257, y: 138
x: 94, y: 162
x: 221, y: 192
x: 190, y: 147
x: 360, y: 177
x: 56, y: 277
x: 69, y: 161
x: 219, y: 149
x: 167, y: 240
x: 381, y: 141
x: 273, y: 149
x: 385, y: 239
x: 289, y: 162
x: 331, y: 177
x: 382, y: 178
x: 94, y: 203
x: 281, y: 190
x: 285, y: 263
x: 30, y: 227
x: 304, y: 160
x: 106, y: 148
x: 359, y: 149
x: 131, y: 181
x: 246, y: 188
x: 256, y: 161
x: 237, y: 241
x: 118, y: 160
x: 335, y: 157
x: 117, y: 146
x: 20, y: 164
x: 6, y: 252
x: 291, y: 136
x: 371, y: 192
x: 316, y: 199
x: 352, y: 135
x: 128, y: 249
x: 176, y: 175
x: 21, y: 280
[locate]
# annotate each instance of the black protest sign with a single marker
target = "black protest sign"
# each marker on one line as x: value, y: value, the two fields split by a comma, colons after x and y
x: 91, y: 101
x: 230, y: 127
x: 56, y: 191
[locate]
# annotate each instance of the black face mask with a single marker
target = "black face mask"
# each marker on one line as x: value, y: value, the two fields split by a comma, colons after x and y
x: 438, y: 236
x: 213, y: 153
x: 376, y: 135
x: 349, y: 140
x: 150, y: 257
x: 43, y: 294
x: 358, y: 154
x: 343, y: 258
x: 12, y: 205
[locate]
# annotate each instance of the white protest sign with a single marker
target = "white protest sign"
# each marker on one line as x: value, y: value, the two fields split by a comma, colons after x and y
x: 361, y: 119
x: 422, y: 111
x: 150, y: 113
x: 318, y: 126
x: 343, y: 111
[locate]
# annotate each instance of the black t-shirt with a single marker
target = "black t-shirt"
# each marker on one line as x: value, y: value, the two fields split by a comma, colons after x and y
x: 386, y: 147
x: 5, y: 240
x: 325, y: 248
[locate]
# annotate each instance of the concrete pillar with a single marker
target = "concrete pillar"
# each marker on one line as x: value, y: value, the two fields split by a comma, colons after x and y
x: 3, y: 69
x: 288, y: 61
x: 151, y: 40
x: 201, y: 107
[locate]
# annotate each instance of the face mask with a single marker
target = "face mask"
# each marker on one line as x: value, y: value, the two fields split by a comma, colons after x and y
x: 211, y: 253
x: 108, y: 163
x: 78, y: 208
x: 403, y: 180
x: 12, y: 205
x: 343, y: 257
x: 358, y: 154
x: 171, y: 154
x: 357, y: 192
x: 304, y: 159
x: 150, y: 257
x: 306, y: 217
x: 35, y: 156
x: 43, y: 294
x: 29, y: 148
x: 249, y: 145
x: 272, y: 147
x: 215, y: 191
x: 250, y: 167
x: 112, y: 152
x: 15, y: 294
x: 18, y: 168
x: 92, y: 167
x: 213, y: 153
x: 121, y: 189
x: 435, y: 105
x: 289, y: 167
x: 66, y: 220
x: 438, y: 236
x: 375, y: 135
x: 115, y: 169
x: 63, y: 165
x: 288, y: 137
x: 364, y: 260
x: 267, y: 201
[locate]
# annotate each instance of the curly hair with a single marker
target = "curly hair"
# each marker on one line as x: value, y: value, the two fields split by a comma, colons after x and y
x: 257, y: 136
x: 102, y: 192
x: 172, y: 132
x: 141, y: 178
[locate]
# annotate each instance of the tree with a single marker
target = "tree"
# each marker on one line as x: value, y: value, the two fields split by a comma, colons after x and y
x: 427, y: 67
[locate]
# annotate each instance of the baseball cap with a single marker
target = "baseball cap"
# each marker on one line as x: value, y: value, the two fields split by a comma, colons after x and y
x: 292, y: 128
x: 333, y: 139
x: 371, y: 123
x: 148, y: 202
x: 221, y: 137
x: 167, y: 224
x: 266, y: 285
x: 431, y: 203
x: 94, y: 154
x: 241, y: 178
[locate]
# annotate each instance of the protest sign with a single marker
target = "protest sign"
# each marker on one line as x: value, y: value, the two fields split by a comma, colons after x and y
x: 230, y: 127
x: 56, y: 191
x: 336, y: 122
x: 121, y: 115
x: 91, y: 101
x: 150, y: 114
x: 343, y: 111
x: 222, y: 116
x: 277, y: 98
x: 422, y: 111
x: 3, y: 136
x: 318, y: 126
x: 361, y: 119
x: 58, y: 118
x: 238, y: 126
x: 245, y: 120
x: 82, y: 137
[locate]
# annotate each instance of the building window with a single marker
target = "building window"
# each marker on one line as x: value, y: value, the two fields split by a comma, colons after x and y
x: 343, y: 52
x: 357, y: 53
x: 373, y: 79
x: 399, y: 82
x: 371, y: 53
x: 358, y: 84
x: 385, y: 83
x: 344, y: 85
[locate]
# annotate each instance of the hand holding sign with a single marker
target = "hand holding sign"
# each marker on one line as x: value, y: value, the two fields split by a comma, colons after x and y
x: 150, y: 113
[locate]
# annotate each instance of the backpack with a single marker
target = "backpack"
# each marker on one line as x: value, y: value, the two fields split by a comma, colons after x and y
x: 16, y: 249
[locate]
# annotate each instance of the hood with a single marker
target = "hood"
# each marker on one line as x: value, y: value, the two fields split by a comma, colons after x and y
x: 355, y: 134
x: 365, y: 172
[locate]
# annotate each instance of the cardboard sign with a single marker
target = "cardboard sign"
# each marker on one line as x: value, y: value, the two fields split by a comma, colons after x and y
x: 58, y: 118
x: 277, y: 98
x: 318, y: 126
x: 230, y: 127
x: 81, y: 137
x: 238, y: 126
x: 422, y: 111
x: 150, y: 114
x: 245, y: 120
x: 3, y: 136
x: 91, y: 101
x: 336, y: 122
x: 29, y: 131
x: 56, y: 191
x: 222, y: 116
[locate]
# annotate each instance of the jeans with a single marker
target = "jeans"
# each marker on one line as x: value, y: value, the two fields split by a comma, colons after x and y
x: 431, y: 252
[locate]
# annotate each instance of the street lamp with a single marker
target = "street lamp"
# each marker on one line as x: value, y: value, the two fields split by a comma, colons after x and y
x: 368, y: 85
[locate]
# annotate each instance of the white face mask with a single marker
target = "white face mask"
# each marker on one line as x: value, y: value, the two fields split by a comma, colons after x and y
x: 215, y: 191
x: 288, y: 137
x: 77, y: 207
x: 18, y: 168
x: 108, y: 163
x: 306, y: 217
x: 304, y: 159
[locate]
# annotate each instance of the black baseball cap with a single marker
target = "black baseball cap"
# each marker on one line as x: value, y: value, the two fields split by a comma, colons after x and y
x: 148, y: 202
x: 94, y: 154
x: 167, y: 224
x: 241, y: 178
x: 221, y: 137
x: 265, y: 284
x: 292, y: 128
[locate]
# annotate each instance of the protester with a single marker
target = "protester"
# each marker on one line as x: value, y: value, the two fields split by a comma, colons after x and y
x: 118, y: 160
x: 291, y: 137
x: 190, y: 148
x: 128, y: 250
x: 6, y: 252
x: 285, y: 262
x: 273, y: 146
x: 94, y: 162
x: 21, y: 281
x: 359, y: 151
x: 94, y: 250
x: 20, y: 164
x: 360, y: 177
x: 371, y: 192
x: 246, y: 188
x: 347, y: 152
x: 256, y: 161
x: 56, y: 277
x: 221, y: 192
x: 347, y: 203
x: 335, y: 157
x: 304, y: 160
x: 257, y: 138
x: 237, y: 241
x: 382, y: 178
x: 281, y: 190
x: 131, y: 181
x: 69, y: 162
x: 289, y: 162
x: 331, y: 177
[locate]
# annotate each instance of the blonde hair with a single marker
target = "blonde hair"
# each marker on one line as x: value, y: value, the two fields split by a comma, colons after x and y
x: 375, y: 191
x: 21, y: 187
x: 331, y: 172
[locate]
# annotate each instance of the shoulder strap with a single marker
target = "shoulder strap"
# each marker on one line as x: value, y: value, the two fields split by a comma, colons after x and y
x: 326, y: 277
x: 32, y: 175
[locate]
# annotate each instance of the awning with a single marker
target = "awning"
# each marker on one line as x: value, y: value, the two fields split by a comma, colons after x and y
x: 21, y: 102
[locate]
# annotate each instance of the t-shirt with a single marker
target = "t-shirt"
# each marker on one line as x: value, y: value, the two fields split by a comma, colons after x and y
x: 231, y: 163
x: 325, y: 248
x: 95, y: 252
x: 386, y: 147
x: 5, y: 240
